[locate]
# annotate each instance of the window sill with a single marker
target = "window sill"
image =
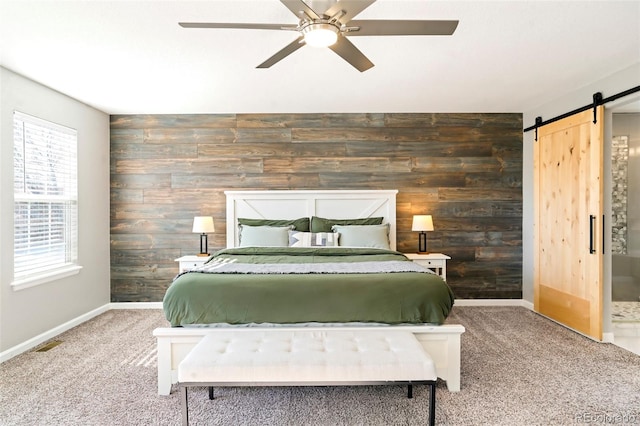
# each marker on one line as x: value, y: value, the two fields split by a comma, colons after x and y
x: 36, y: 280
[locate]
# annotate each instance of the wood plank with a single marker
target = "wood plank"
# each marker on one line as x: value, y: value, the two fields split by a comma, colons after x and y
x: 139, y: 289
x: 334, y: 164
x: 488, y: 165
x: 409, y: 120
x: 120, y: 151
x: 149, y: 258
x: 272, y: 149
x: 184, y: 196
x: 140, y: 181
x: 472, y: 120
x: 248, y: 181
x: 400, y: 181
x: 263, y: 135
x: 130, y: 242
x: 200, y: 135
x: 129, y: 136
x: 129, y: 211
x: 498, y: 253
x: 313, y: 120
x: 464, y: 238
x: 156, y: 272
x: 188, y: 121
x: 458, y: 209
x: 195, y: 166
x: 489, y: 270
x: 496, y: 194
x: 429, y: 149
x: 368, y: 134
x: 151, y: 226
x: 126, y: 195
x: 493, y: 180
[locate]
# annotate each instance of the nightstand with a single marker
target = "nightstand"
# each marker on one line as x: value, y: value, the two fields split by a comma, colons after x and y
x: 187, y: 263
x: 434, y: 261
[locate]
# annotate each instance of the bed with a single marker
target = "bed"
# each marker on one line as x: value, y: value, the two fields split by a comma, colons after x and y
x: 287, y: 265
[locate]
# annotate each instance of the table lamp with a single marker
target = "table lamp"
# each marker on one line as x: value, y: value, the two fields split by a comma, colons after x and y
x: 203, y: 225
x: 422, y: 223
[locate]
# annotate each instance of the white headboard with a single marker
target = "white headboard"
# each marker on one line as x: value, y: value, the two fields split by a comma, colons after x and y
x: 336, y: 204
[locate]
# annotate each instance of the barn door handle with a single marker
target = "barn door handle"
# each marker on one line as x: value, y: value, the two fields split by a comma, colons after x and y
x: 592, y: 223
x: 602, y: 234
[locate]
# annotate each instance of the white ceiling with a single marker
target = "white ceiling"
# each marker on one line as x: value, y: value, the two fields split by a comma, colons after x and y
x: 132, y: 57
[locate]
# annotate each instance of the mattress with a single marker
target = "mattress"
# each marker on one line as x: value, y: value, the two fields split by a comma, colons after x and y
x: 284, y: 285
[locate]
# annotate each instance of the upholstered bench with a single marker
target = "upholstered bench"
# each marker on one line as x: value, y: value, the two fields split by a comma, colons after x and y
x: 306, y: 358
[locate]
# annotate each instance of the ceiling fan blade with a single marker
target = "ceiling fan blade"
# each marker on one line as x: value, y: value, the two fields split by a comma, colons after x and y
x: 298, y: 7
x: 283, y: 53
x: 351, y: 54
x: 391, y: 27
x: 236, y: 25
x: 350, y: 7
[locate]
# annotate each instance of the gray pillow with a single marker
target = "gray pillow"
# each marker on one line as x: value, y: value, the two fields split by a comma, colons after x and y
x: 376, y: 236
x: 264, y: 236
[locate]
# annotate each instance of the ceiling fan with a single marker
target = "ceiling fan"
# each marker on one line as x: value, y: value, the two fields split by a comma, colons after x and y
x: 332, y: 27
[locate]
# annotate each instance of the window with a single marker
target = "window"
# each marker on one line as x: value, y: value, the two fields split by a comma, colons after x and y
x: 45, y: 244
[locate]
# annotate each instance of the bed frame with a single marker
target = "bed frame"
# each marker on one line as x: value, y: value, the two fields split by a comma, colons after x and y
x: 442, y: 342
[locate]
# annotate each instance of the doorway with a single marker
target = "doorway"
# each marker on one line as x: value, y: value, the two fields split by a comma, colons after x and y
x: 625, y: 228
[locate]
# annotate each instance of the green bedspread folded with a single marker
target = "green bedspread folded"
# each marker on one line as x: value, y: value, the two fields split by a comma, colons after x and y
x: 197, y: 298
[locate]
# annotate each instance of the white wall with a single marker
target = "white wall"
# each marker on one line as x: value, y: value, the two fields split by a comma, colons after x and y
x: 27, y: 313
x: 608, y: 86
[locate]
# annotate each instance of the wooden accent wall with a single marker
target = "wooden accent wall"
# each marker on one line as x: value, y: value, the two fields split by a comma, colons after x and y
x: 464, y: 169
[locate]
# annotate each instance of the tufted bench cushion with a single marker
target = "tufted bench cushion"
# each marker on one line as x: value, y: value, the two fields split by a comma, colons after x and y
x: 306, y: 358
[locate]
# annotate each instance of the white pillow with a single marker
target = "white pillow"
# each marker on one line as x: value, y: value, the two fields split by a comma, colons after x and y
x: 313, y: 239
x: 376, y: 236
x: 264, y: 236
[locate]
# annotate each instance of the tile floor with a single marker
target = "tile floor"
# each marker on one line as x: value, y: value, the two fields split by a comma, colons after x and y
x: 626, y: 325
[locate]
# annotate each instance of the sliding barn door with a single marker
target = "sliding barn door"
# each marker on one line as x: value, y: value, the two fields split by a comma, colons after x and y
x: 568, y: 225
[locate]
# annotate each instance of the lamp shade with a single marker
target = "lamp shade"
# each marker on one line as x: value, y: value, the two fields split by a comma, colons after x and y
x: 203, y: 224
x: 422, y: 222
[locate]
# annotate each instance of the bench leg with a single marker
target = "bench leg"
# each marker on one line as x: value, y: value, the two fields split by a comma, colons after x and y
x: 185, y: 406
x: 432, y: 404
x: 211, y: 392
x: 410, y: 391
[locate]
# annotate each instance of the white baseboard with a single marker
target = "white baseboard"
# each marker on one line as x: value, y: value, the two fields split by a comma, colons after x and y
x: 608, y: 338
x: 50, y: 334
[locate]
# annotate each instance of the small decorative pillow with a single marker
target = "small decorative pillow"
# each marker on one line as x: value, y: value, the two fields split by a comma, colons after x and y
x: 364, y: 235
x: 313, y: 239
x: 264, y: 236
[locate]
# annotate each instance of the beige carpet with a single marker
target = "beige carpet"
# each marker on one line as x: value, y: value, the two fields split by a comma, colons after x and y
x: 517, y: 369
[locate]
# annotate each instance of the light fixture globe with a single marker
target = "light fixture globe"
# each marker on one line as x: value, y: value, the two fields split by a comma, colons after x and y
x: 320, y: 34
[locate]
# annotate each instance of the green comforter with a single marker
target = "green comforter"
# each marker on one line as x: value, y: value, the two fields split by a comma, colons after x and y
x: 197, y: 298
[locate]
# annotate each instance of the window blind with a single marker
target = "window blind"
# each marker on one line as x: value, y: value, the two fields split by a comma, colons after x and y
x: 45, y: 196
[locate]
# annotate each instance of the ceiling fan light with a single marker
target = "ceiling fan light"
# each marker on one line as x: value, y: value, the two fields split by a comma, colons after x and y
x: 320, y: 35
